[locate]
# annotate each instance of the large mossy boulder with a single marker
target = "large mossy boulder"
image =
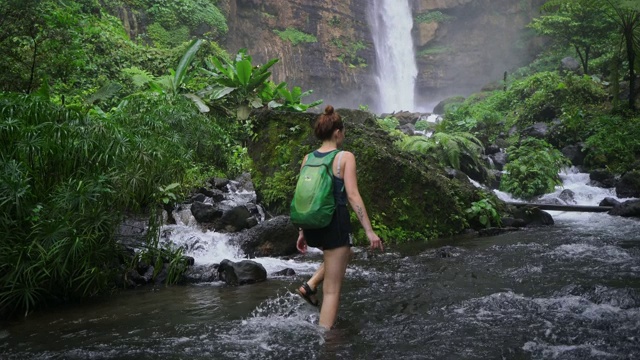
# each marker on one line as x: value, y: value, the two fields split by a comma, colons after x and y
x: 408, y: 196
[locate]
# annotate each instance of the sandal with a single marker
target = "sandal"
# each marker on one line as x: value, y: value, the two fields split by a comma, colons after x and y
x: 308, y: 293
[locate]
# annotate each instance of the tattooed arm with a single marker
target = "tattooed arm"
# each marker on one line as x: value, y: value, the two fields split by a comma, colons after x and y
x: 355, y: 200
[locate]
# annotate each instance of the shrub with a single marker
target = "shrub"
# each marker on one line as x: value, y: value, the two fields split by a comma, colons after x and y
x: 295, y: 36
x: 448, y: 149
x: 67, y: 177
x: 615, y: 143
x: 532, y: 169
x: 481, y: 115
x: 433, y: 16
x: 547, y: 95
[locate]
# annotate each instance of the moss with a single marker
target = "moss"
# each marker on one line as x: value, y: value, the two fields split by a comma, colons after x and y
x: 408, y: 197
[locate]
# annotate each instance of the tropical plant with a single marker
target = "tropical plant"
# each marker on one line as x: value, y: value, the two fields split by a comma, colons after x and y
x: 484, y: 212
x: 238, y: 82
x: 532, y: 169
x: 292, y: 100
x: 174, y: 84
x: 449, y: 149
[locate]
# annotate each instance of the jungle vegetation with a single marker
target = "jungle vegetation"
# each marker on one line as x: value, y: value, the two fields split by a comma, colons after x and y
x: 95, y: 125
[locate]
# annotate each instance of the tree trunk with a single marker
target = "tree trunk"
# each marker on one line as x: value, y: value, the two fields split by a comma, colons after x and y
x: 631, y: 57
x: 33, y: 64
x: 584, y: 59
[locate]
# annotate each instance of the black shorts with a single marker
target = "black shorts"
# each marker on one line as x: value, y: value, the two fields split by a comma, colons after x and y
x: 335, y: 235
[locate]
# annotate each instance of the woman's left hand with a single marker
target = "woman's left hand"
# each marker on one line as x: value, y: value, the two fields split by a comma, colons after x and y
x: 301, y: 244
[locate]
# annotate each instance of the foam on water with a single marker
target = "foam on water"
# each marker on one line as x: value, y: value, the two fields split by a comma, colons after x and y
x: 549, y: 318
x: 606, y: 254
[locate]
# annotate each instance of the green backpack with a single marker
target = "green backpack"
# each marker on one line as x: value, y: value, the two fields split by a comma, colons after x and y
x: 313, y: 203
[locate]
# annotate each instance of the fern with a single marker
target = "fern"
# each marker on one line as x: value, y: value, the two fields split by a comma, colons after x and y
x: 139, y: 77
x: 448, y: 148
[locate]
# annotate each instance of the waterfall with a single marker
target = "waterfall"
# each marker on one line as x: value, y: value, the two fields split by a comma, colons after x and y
x: 391, y: 22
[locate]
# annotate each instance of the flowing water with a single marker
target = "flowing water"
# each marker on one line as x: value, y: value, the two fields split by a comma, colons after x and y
x: 570, y: 291
x: 391, y: 22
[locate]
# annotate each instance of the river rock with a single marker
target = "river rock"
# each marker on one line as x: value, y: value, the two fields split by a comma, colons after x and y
x: 205, y: 213
x: 510, y: 222
x: 243, y: 183
x: 440, y: 107
x: 568, y: 196
x: 197, y: 197
x: 132, y: 231
x: 274, y: 237
x: 629, y: 208
x: 285, y: 272
x: 499, y: 160
x: 609, y: 201
x: 570, y: 64
x: 201, y: 273
x: 629, y: 185
x: 475, y: 172
x: 414, y: 186
x: 602, y: 178
x: 406, y: 117
x: 241, y: 272
x: 533, y: 216
x: 219, y: 183
x: 495, y: 177
x: 491, y: 149
x: 236, y: 219
x: 538, y: 130
x: 574, y: 154
x: 215, y: 194
x: 407, y: 129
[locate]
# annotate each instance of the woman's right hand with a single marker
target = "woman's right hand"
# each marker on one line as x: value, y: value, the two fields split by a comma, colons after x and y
x: 375, y: 241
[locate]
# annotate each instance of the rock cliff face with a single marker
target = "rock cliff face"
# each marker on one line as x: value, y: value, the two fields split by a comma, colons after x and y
x: 336, y: 66
x: 472, y: 44
x: 467, y: 44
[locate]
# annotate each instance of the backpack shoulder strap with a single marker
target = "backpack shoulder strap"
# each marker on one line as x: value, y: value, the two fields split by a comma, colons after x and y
x: 339, y: 162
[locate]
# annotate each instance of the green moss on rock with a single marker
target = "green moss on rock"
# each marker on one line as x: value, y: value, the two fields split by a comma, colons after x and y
x: 408, y: 196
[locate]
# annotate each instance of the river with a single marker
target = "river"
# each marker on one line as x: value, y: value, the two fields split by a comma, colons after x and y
x: 569, y: 291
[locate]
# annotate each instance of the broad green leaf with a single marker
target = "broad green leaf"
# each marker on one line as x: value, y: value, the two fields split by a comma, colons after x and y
x: 202, y: 107
x: 221, y: 92
x: 185, y: 61
x: 243, y: 69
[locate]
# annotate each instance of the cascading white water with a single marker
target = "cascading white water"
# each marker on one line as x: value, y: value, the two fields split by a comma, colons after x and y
x: 391, y: 22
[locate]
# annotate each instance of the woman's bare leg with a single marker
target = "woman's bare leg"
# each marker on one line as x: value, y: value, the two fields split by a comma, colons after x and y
x: 317, y: 278
x: 335, y: 266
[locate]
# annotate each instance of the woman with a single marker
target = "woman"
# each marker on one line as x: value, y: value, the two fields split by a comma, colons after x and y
x: 334, y: 240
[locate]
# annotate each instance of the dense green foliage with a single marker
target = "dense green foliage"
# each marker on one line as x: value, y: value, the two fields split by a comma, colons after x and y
x: 532, y: 169
x: 433, y: 16
x: 542, y: 97
x: 615, y: 143
x: 116, y: 127
x: 579, y: 25
x: 584, y: 23
x: 485, y: 213
x: 447, y: 148
x: 295, y: 36
x: 67, y: 178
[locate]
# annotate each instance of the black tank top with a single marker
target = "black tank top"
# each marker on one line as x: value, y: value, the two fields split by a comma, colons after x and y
x: 339, y: 191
